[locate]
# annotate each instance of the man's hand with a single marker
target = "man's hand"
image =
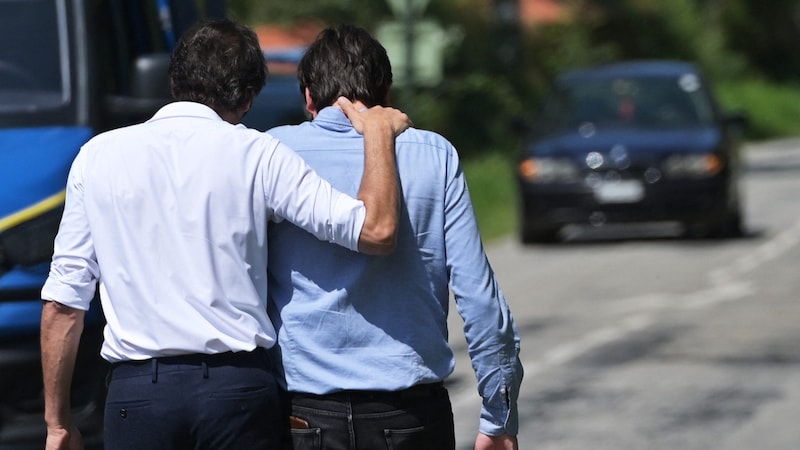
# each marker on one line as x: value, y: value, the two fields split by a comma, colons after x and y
x: 380, y: 187
x: 502, y: 442
x: 62, y: 439
x: 397, y: 120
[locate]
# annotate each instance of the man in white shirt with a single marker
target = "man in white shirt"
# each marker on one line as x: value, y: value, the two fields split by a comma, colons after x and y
x: 170, y: 217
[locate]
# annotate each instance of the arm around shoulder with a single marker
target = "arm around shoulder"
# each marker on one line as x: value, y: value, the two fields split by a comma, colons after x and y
x: 380, y: 188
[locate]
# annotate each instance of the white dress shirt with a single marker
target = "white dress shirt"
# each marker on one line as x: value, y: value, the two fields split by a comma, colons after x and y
x: 170, y: 217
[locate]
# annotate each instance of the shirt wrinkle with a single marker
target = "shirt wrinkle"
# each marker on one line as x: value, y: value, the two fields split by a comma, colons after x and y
x: 440, y: 246
x: 196, y: 261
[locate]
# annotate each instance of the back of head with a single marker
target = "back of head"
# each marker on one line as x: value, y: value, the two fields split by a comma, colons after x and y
x: 346, y: 61
x: 218, y: 63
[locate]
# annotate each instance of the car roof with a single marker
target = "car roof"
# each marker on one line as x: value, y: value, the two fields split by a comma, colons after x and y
x: 641, y: 68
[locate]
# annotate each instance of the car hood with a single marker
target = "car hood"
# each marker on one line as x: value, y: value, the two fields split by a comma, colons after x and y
x: 635, y: 141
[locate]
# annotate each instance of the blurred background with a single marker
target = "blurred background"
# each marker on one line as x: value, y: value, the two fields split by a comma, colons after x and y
x: 481, y: 65
x: 631, y: 339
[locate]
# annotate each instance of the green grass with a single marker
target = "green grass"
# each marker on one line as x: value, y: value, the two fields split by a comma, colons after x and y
x: 493, y: 190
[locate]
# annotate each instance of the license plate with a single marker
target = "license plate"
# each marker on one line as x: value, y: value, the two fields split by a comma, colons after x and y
x: 625, y: 191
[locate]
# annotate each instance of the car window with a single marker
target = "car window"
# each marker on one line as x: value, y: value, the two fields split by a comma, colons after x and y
x: 652, y: 101
x: 32, y: 69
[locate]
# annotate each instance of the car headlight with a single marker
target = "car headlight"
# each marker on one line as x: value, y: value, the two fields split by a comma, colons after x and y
x: 548, y: 170
x: 692, y: 166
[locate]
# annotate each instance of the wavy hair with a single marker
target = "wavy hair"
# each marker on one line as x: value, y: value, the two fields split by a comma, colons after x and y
x: 218, y: 63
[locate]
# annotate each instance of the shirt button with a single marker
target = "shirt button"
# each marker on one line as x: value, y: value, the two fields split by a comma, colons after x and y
x: 123, y: 413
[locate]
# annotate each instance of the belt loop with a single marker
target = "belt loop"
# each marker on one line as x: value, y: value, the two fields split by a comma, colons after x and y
x: 205, y: 369
x: 154, y: 369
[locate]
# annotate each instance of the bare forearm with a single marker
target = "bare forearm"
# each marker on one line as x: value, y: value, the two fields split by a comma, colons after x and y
x: 379, y: 191
x: 61, y: 329
x: 379, y: 186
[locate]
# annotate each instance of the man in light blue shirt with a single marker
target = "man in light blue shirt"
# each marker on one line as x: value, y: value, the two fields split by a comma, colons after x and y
x: 364, y: 339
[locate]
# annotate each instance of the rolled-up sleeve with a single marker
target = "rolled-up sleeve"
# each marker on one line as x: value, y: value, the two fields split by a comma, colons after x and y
x: 74, y: 272
x: 295, y: 192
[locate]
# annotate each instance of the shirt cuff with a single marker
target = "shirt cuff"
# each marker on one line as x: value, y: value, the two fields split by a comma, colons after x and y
x: 72, y: 296
x: 499, y: 412
x: 345, y: 229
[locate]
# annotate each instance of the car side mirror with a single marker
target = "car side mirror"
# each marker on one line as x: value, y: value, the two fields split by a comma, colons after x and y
x: 149, y: 89
x: 150, y: 78
x: 738, y: 119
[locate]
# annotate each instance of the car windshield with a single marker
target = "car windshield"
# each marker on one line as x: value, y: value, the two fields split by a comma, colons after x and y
x: 33, y: 57
x: 647, y: 101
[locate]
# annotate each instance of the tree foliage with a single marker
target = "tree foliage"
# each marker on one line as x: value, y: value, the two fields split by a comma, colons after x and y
x: 499, y: 68
x: 357, y: 12
x: 767, y: 35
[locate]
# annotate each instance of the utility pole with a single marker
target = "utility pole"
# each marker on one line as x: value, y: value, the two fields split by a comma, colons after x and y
x: 409, y: 44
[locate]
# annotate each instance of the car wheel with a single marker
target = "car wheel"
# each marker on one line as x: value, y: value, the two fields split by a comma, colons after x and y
x: 533, y: 230
x: 538, y: 234
x: 729, y: 225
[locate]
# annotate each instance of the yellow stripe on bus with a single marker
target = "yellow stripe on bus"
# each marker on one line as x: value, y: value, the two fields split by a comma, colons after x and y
x: 32, y: 211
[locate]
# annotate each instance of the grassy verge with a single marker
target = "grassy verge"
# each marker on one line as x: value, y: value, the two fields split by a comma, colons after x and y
x: 494, y: 194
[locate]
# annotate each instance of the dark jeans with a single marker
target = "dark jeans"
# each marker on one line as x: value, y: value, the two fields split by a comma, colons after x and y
x: 419, y: 418
x: 225, y: 401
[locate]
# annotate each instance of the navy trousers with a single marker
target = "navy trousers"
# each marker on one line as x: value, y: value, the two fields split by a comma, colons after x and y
x: 224, y: 401
x: 419, y: 418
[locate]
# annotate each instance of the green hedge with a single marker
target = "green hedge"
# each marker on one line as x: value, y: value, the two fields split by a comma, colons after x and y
x: 493, y: 190
x: 773, y: 110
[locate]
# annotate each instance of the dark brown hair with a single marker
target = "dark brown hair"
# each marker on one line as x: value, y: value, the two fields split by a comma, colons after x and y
x: 345, y: 61
x: 218, y: 63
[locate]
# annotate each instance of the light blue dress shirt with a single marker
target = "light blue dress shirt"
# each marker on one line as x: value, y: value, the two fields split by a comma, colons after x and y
x: 351, y: 321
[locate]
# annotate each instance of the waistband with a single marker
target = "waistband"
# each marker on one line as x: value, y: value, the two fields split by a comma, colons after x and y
x: 256, y: 358
x: 417, y: 392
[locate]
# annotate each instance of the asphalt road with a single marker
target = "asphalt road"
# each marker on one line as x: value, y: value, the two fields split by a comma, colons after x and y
x: 635, y: 338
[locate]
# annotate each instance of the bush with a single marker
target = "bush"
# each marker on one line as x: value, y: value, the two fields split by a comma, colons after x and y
x: 772, y: 109
x: 493, y: 190
x: 474, y: 112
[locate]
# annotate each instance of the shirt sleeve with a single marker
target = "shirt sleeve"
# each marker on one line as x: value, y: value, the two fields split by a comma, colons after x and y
x: 73, y: 270
x: 295, y: 192
x: 492, y: 339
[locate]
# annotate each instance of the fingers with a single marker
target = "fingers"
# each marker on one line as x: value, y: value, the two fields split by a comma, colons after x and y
x: 347, y: 106
x: 395, y: 119
x: 400, y: 120
x: 352, y: 113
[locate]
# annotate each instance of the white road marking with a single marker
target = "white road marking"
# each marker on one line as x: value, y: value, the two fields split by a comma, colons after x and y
x: 767, y: 251
x: 726, y: 284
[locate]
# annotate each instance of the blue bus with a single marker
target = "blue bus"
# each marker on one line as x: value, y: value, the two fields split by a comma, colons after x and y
x: 70, y: 69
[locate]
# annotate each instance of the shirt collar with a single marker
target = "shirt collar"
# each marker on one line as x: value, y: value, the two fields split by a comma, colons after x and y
x: 185, y: 109
x: 333, y: 118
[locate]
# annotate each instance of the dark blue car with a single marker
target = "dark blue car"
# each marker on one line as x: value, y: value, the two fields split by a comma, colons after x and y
x: 641, y: 141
